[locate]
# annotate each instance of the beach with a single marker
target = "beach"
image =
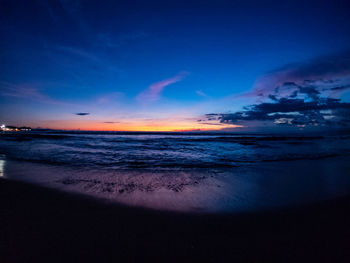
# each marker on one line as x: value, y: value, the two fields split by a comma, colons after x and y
x: 194, y: 173
x: 111, y: 197
x: 40, y: 224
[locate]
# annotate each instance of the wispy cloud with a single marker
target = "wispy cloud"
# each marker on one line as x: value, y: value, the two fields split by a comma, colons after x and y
x: 29, y: 91
x: 88, y: 56
x: 154, y: 91
x: 73, y: 9
x: 108, y: 40
x: 80, y: 52
x: 201, y: 93
x: 110, y: 97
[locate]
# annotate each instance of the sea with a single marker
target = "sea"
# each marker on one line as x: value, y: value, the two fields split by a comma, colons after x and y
x: 183, y: 172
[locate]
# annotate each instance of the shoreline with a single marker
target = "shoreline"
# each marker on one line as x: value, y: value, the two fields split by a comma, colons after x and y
x: 45, y: 224
x: 254, y: 188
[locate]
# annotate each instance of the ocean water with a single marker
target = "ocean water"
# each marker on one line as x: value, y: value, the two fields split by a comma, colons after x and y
x: 183, y: 172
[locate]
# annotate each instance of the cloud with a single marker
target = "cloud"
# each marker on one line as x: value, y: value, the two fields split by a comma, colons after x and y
x: 293, y: 112
x: 108, y: 40
x: 111, y: 122
x: 312, y: 110
x: 110, y: 97
x: 326, y: 71
x: 82, y: 113
x: 302, y: 95
x: 29, y: 91
x: 201, y: 93
x: 154, y: 91
x: 209, y: 123
x: 79, y: 54
x: 73, y: 9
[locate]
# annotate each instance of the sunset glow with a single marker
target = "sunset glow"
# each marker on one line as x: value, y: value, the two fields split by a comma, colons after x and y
x: 216, y: 68
x: 135, y: 125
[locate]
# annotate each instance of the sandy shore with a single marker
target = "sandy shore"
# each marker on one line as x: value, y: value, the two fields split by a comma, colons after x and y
x: 39, y: 224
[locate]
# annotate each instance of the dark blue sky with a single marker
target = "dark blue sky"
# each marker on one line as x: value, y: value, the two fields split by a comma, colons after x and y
x: 163, y: 65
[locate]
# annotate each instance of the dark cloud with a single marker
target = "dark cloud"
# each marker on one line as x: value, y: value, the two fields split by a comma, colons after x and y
x: 209, y: 123
x: 325, y: 71
x: 320, y: 67
x: 82, y: 113
x: 297, y: 105
x: 341, y: 88
x: 211, y: 117
x: 299, y: 95
x: 310, y: 91
x: 273, y: 97
x: 110, y: 122
x: 286, y: 111
x: 294, y: 94
x: 292, y: 84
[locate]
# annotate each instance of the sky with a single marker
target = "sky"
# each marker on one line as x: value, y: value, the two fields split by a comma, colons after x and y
x: 175, y: 65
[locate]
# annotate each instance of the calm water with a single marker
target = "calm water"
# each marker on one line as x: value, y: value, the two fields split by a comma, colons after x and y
x: 185, y: 172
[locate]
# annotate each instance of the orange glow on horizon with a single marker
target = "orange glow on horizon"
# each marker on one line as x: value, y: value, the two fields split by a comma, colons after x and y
x: 162, y: 125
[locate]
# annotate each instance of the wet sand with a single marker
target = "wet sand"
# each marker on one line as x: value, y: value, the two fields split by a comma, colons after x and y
x: 44, y: 225
x: 241, y: 189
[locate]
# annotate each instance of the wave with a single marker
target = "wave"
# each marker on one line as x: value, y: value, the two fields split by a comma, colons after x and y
x: 32, y: 136
x: 164, y: 151
x: 162, y: 163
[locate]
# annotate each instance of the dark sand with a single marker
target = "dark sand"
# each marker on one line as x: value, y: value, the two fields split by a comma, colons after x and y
x: 43, y: 225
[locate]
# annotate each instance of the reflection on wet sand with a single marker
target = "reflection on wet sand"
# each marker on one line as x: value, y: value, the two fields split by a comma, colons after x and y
x: 2, y: 168
x: 198, y: 190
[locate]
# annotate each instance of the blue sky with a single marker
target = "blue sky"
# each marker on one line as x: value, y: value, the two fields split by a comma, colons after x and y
x: 158, y: 65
